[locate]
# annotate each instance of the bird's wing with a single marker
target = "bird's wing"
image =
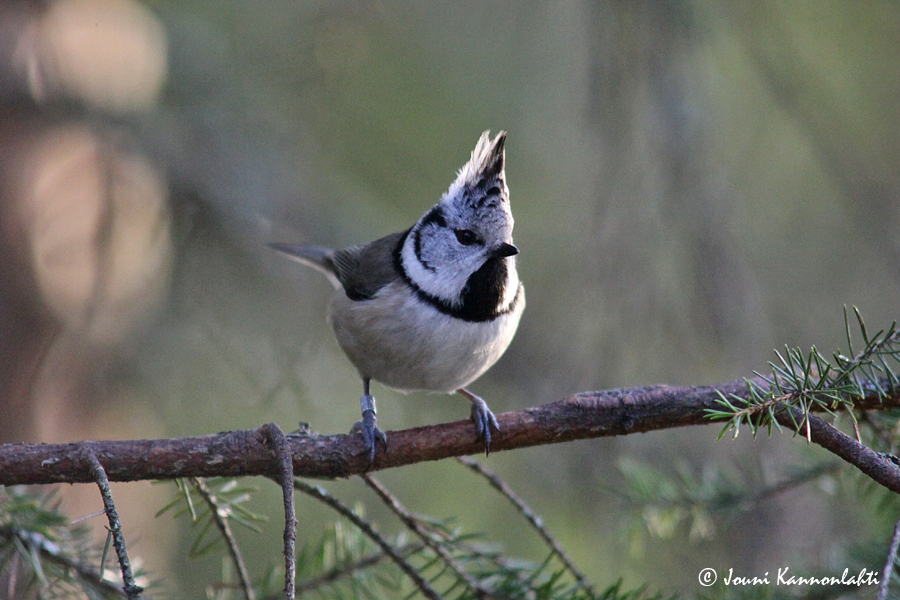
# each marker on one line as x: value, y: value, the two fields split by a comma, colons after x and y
x: 365, y: 269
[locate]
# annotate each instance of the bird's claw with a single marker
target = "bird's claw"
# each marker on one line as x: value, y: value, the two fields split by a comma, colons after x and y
x: 370, y: 432
x: 484, y: 420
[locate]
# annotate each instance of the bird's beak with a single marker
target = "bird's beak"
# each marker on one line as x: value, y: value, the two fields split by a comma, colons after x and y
x: 504, y: 250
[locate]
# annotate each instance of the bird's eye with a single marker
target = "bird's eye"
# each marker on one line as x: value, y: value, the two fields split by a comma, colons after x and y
x: 465, y: 237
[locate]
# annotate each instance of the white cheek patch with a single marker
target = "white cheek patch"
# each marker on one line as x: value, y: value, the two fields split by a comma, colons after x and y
x: 443, y: 283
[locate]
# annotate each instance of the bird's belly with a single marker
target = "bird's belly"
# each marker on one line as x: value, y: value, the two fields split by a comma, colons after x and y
x: 405, y: 344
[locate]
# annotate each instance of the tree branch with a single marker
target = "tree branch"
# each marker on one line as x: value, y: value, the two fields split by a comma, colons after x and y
x: 888, y: 572
x: 879, y: 467
x: 395, y: 554
x: 279, y: 445
x: 132, y: 590
x: 225, y: 530
x: 418, y: 528
x: 248, y: 452
x: 501, y: 486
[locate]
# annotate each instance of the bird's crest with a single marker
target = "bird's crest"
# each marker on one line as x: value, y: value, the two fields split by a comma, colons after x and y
x: 477, y: 179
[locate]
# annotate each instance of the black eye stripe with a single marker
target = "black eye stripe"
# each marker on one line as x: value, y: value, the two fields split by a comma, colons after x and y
x: 436, y: 216
x: 417, y: 248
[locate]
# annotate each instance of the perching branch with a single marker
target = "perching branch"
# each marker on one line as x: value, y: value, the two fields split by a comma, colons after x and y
x: 580, y: 416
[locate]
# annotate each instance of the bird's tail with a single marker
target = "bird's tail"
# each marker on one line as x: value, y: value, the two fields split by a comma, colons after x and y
x: 317, y: 257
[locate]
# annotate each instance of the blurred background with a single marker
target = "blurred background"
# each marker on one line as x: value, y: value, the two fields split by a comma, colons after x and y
x: 694, y: 184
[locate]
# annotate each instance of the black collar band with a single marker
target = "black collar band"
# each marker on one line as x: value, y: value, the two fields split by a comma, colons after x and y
x: 480, y: 298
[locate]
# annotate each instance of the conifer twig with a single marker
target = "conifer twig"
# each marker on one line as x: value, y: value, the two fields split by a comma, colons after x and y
x: 132, y: 590
x: 53, y: 553
x: 878, y: 466
x: 362, y: 564
x: 501, y: 486
x: 889, y: 565
x: 323, y: 496
x: 415, y: 526
x: 227, y: 535
x: 278, y: 443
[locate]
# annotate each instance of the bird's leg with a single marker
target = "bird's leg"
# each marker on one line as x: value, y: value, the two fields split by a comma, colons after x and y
x: 483, y: 418
x: 370, y: 432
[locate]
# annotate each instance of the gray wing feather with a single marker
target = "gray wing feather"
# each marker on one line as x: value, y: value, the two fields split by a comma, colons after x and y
x: 361, y: 270
x: 365, y: 269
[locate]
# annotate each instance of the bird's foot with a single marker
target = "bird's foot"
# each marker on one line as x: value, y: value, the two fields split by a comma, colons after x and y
x: 483, y: 418
x: 370, y: 432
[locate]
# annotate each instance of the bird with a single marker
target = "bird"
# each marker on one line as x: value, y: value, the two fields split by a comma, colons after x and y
x: 434, y: 306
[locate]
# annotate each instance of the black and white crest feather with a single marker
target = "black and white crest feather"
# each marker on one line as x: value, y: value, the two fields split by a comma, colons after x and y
x: 458, y: 257
x: 481, y: 183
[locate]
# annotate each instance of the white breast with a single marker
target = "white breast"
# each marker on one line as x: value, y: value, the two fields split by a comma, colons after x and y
x: 406, y: 344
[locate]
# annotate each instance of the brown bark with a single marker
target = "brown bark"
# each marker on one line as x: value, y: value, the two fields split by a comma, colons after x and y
x: 580, y: 416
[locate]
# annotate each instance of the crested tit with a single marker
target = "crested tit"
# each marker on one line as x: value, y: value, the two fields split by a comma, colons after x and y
x: 433, y: 307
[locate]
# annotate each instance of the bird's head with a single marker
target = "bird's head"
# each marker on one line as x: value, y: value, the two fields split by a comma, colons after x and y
x: 465, y: 240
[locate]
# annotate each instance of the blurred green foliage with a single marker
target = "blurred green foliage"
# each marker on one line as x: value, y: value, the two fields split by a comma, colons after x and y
x: 694, y: 183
